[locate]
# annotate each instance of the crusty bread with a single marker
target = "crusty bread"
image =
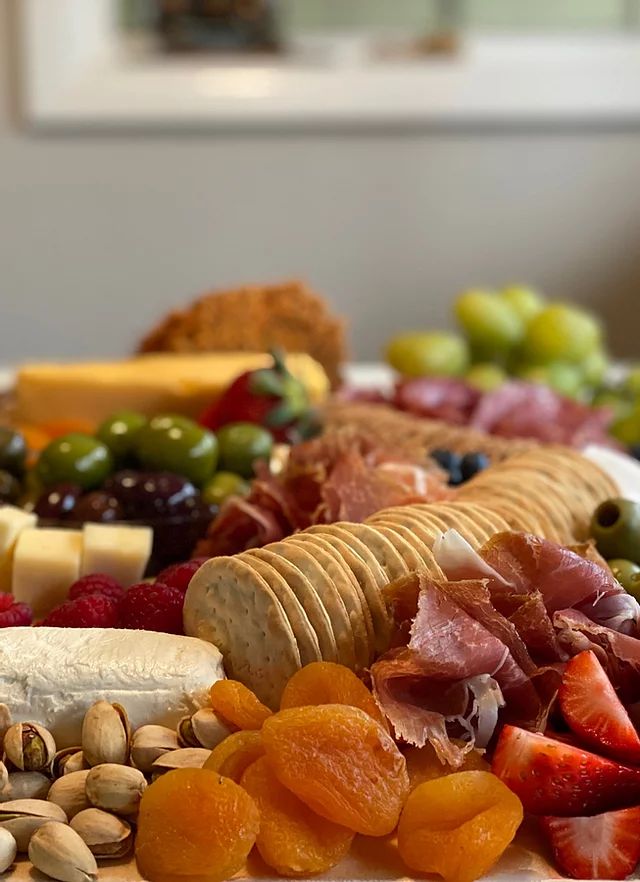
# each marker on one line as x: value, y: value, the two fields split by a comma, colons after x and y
x: 255, y: 318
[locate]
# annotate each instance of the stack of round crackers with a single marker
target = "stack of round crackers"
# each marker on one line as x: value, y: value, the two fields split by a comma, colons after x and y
x: 551, y: 491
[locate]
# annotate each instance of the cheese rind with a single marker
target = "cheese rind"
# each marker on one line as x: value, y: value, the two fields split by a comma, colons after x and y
x: 12, y: 522
x: 120, y: 551
x: 151, y: 384
x: 45, y: 564
x: 53, y: 675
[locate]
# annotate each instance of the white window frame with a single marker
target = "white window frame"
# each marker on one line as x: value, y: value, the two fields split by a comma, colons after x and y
x: 506, y: 80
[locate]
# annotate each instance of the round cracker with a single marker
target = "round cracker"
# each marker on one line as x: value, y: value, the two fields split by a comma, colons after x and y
x: 517, y: 517
x: 392, y: 563
x: 423, y: 538
x: 327, y: 593
x: 405, y: 542
x: 453, y: 519
x: 303, y: 631
x: 230, y: 604
x: 304, y: 591
x: 375, y: 610
x: 349, y: 590
x: 489, y: 521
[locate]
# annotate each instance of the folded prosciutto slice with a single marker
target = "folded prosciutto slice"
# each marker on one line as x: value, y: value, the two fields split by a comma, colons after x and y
x: 463, y: 662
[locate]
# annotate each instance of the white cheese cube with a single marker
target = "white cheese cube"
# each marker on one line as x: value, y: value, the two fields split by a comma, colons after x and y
x: 119, y: 551
x: 12, y: 522
x: 45, y: 563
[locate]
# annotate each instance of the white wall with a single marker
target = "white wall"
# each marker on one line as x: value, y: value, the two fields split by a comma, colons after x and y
x: 99, y: 235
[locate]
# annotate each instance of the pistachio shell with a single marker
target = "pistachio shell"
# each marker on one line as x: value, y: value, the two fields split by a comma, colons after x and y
x: 69, y: 793
x: 115, y: 788
x: 63, y: 758
x: 25, y: 785
x: 59, y: 852
x: 4, y: 776
x: 8, y: 850
x: 186, y: 735
x: 149, y: 743
x: 6, y: 722
x: 106, y: 835
x: 106, y: 734
x: 184, y: 758
x: 29, y: 746
x: 208, y: 728
x: 22, y: 817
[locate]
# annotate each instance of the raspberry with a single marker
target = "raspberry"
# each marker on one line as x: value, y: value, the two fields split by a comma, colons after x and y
x: 96, y: 583
x: 14, y: 614
x: 90, y: 611
x: 179, y: 575
x: 153, y: 607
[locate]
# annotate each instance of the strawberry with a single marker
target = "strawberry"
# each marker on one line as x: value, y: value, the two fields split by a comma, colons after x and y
x: 603, y: 846
x: 594, y: 712
x: 271, y: 397
x: 555, y: 778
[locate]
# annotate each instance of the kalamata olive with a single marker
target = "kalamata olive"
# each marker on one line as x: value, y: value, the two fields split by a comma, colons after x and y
x: 58, y: 502
x: 151, y: 494
x: 98, y: 506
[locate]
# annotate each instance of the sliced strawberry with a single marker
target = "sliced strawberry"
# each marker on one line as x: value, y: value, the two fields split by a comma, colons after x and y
x: 554, y: 778
x: 594, y: 712
x: 603, y: 846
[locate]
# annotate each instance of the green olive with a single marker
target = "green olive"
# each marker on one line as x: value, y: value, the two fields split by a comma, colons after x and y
x: 77, y: 459
x: 119, y: 431
x: 13, y: 451
x: 624, y: 571
x: 241, y: 444
x: 223, y: 485
x: 177, y: 444
x: 615, y: 526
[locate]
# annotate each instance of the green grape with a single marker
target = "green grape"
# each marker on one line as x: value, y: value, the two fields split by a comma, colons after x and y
x: 526, y: 302
x: 594, y: 367
x: 626, y: 428
x: 429, y: 353
x: 489, y: 322
x: 566, y: 379
x: 632, y: 381
x: 619, y: 406
x: 486, y: 376
x: 561, y: 333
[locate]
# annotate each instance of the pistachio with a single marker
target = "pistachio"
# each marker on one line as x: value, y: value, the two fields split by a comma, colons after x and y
x: 149, y: 743
x: 5, y: 721
x: 29, y: 746
x: 186, y: 735
x: 4, y: 776
x: 8, y: 850
x: 25, y: 785
x: 69, y: 793
x: 60, y: 852
x: 106, y: 734
x: 184, y: 758
x: 22, y: 817
x: 208, y: 729
x: 115, y: 788
x: 69, y: 759
x: 106, y: 835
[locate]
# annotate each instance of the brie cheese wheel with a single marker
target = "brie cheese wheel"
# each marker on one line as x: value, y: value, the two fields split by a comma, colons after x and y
x: 45, y: 564
x: 120, y: 551
x: 53, y: 675
x: 12, y: 522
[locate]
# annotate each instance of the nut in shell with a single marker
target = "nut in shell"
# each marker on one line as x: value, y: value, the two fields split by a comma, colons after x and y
x: 208, y: 729
x: 25, y: 785
x: 149, y: 743
x: 115, y: 788
x: 60, y: 852
x: 69, y: 792
x: 29, y: 746
x: 106, y: 734
x: 22, y: 817
x: 6, y: 721
x: 8, y: 850
x: 105, y: 835
x: 4, y: 776
x: 69, y: 759
x: 184, y: 758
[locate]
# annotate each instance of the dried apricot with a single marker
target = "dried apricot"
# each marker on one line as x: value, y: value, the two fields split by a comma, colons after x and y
x: 329, y: 683
x: 232, y: 756
x: 459, y: 825
x: 340, y: 763
x: 194, y: 826
x: 293, y: 839
x: 238, y: 705
x: 423, y: 764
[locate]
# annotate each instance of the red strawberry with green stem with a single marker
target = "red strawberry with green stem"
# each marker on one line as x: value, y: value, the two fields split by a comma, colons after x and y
x: 605, y: 846
x: 271, y: 397
x: 594, y: 712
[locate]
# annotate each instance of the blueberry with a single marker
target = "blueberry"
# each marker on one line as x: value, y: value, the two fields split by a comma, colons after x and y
x: 451, y: 463
x: 472, y: 463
